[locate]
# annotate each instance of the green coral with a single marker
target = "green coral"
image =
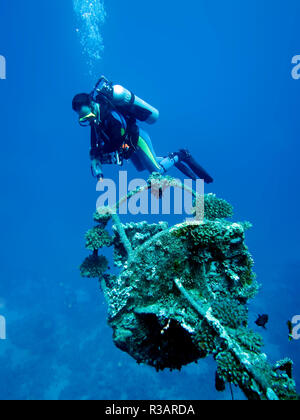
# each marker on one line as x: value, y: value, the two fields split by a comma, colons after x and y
x: 216, y: 208
x: 249, y: 339
x: 206, y: 339
x: 231, y: 370
x: 242, y: 265
x: 248, y: 291
x: 230, y: 312
x: 182, y: 294
x: 216, y: 234
x: 94, y: 266
x: 102, y: 216
x: 208, y: 234
x: 98, y: 238
x: 137, y: 234
x: 202, y: 235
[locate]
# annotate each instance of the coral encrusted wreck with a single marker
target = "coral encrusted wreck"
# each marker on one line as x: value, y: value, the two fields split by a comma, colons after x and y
x: 182, y: 295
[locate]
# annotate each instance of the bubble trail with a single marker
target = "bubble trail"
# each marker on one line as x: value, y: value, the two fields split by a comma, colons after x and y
x: 91, y: 16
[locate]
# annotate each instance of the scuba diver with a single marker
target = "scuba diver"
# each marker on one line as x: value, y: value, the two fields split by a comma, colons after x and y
x: 112, y: 113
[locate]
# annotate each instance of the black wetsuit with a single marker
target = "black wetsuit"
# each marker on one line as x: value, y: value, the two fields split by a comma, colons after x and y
x: 115, y: 133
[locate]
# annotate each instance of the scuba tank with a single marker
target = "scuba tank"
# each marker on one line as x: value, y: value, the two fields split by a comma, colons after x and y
x: 125, y: 101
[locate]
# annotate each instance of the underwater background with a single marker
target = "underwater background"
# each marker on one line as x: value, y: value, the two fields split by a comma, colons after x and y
x: 220, y: 74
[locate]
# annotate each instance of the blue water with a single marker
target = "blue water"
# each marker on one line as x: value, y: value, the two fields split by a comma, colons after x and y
x: 220, y: 73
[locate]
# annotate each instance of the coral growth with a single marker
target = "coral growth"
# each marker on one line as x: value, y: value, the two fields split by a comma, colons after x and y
x: 182, y: 294
x: 160, y: 184
x: 137, y: 234
x: 98, y: 238
x: 102, y: 216
x: 94, y: 266
x: 216, y: 208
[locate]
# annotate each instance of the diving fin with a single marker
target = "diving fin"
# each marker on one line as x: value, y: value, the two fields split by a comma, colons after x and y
x: 186, y: 170
x: 186, y: 157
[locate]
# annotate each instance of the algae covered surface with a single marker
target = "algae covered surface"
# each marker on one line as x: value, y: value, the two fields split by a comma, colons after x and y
x: 182, y: 294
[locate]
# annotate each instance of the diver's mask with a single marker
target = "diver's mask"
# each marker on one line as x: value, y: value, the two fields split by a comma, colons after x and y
x: 86, y: 116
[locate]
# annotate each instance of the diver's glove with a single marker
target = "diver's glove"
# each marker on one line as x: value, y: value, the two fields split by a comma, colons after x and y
x: 97, y: 170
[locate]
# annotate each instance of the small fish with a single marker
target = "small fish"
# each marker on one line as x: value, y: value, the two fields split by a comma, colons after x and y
x: 262, y: 320
x: 290, y: 327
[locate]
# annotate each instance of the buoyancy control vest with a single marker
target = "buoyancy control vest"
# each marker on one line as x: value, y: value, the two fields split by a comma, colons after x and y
x: 126, y: 102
